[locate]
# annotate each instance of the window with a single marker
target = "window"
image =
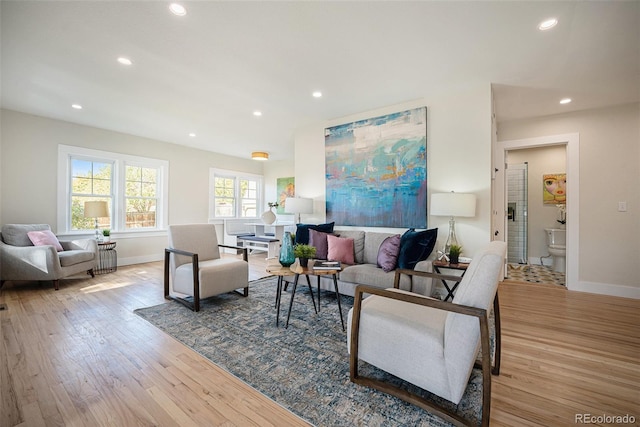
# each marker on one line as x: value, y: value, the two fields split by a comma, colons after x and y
x: 141, y: 197
x: 135, y: 189
x: 234, y: 195
x: 90, y: 181
x: 224, y: 197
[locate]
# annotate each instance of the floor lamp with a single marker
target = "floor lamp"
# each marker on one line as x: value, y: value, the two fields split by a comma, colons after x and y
x: 298, y: 205
x: 452, y: 205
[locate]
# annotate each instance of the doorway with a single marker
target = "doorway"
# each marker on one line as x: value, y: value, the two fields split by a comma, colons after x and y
x: 510, y: 149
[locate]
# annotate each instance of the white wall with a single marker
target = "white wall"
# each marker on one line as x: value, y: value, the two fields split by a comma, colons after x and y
x: 272, y: 171
x: 609, y: 173
x: 29, y: 149
x: 542, y: 160
x: 458, y: 157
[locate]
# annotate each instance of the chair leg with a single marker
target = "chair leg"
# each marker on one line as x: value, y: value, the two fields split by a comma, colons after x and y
x: 167, y: 254
x: 2, y: 283
x: 91, y: 273
x: 56, y: 284
x: 495, y: 369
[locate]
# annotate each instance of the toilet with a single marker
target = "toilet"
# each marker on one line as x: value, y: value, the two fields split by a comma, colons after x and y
x: 557, y: 247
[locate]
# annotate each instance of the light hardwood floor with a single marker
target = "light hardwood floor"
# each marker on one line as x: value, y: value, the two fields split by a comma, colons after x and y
x: 80, y: 357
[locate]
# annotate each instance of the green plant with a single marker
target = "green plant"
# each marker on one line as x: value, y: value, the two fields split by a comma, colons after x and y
x: 455, y: 250
x: 106, y: 232
x: 304, y: 251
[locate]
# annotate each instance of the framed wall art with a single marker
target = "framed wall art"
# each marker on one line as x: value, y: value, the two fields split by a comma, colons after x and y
x: 286, y: 187
x: 376, y: 171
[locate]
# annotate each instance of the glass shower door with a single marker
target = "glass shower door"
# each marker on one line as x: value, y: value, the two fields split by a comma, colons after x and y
x: 517, y: 204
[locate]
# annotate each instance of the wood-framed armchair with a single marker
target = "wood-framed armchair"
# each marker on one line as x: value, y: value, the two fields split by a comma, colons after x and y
x: 392, y: 328
x: 196, y: 268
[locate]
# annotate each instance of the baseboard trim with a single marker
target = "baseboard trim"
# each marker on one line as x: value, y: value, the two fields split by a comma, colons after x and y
x: 608, y: 289
x: 140, y: 259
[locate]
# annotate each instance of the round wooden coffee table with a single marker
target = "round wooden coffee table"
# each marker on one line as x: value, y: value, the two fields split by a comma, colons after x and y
x: 296, y: 271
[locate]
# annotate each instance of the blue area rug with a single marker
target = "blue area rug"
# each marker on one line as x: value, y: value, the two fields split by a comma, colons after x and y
x: 305, y: 368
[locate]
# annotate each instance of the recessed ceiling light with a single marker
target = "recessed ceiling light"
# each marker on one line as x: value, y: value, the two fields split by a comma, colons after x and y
x: 547, y: 24
x: 565, y: 100
x: 177, y: 9
x: 257, y: 113
x: 76, y: 106
x: 192, y: 135
x: 317, y: 94
x: 124, y: 61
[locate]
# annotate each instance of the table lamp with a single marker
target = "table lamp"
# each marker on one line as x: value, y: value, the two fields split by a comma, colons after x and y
x: 452, y: 205
x: 298, y: 205
x: 96, y: 209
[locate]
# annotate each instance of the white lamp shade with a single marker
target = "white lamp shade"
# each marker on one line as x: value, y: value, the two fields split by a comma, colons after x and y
x: 453, y: 204
x: 96, y: 209
x: 298, y: 205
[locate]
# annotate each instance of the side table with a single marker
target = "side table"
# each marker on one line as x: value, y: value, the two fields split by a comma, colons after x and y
x: 437, y: 265
x: 107, y: 258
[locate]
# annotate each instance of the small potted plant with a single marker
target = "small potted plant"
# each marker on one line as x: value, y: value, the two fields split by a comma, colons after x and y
x: 303, y: 253
x: 107, y: 235
x: 454, y: 254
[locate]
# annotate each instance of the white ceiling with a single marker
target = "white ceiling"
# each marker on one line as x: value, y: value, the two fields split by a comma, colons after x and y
x: 208, y: 71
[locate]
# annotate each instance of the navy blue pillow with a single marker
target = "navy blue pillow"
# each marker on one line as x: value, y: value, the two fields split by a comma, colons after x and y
x: 302, y: 231
x: 416, y: 246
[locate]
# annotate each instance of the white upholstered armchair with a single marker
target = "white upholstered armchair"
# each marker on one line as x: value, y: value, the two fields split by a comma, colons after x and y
x: 21, y: 260
x: 193, y: 265
x: 430, y: 343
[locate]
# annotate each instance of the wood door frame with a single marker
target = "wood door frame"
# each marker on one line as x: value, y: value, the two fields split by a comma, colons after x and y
x: 499, y: 211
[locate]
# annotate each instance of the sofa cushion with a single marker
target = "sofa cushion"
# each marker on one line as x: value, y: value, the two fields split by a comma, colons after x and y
x: 318, y: 240
x: 16, y: 234
x: 368, y: 274
x: 340, y: 249
x: 388, y: 253
x: 302, y: 231
x: 44, y: 238
x: 416, y: 246
x: 74, y: 257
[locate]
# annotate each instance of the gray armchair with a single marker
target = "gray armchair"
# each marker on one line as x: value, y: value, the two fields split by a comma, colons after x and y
x: 193, y: 265
x: 21, y: 260
x: 430, y: 343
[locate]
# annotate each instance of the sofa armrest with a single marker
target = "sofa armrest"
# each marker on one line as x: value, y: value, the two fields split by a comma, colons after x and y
x: 80, y: 244
x: 421, y: 284
x: 29, y: 262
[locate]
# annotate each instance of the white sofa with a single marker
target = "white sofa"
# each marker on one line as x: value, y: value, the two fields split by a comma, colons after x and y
x: 366, y: 272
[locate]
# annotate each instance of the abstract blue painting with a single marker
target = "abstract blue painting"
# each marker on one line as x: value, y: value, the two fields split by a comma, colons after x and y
x: 376, y: 171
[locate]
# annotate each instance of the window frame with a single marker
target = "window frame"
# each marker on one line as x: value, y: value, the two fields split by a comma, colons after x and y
x: 237, y: 177
x: 118, y: 209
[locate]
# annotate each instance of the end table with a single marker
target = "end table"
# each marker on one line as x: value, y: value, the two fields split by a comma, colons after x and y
x: 437, y: 265
x: 107, y: 258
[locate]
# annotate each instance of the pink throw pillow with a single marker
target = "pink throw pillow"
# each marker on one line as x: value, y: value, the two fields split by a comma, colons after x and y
x: 43, y: 238
x: 340, y: 249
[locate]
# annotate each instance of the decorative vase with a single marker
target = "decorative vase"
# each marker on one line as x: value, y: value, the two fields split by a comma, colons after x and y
x: 268, y: 217
x: 286, y: 250
x: 454, y: 259
x: 304, y: 262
